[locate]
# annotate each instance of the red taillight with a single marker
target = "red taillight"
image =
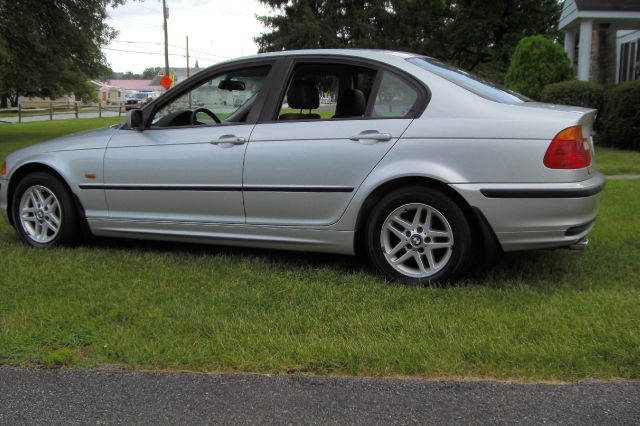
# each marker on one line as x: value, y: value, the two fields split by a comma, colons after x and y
x: 4, y: 169
x: 568, y: 150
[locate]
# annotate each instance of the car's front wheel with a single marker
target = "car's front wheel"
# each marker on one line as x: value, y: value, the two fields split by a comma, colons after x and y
x: 43, y: 211
x: 418, y: 235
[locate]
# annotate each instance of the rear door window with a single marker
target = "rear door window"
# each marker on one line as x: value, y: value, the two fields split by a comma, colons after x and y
x: 324, y: 91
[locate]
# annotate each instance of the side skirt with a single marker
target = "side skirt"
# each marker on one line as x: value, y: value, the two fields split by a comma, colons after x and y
x: 270, y: 237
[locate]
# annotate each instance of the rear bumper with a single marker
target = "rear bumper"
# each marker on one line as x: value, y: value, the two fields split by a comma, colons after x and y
x: 530, y: 216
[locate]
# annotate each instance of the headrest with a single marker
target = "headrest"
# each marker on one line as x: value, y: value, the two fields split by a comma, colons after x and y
x: 351, y: 103
x: 303, y: 94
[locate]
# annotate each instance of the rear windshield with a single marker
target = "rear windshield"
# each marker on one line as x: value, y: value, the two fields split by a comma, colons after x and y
x: 477, y: 85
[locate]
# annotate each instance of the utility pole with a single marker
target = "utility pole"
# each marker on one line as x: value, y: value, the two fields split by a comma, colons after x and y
x: 166, y: 37
x: 187, y: 56
x: 188, y: 69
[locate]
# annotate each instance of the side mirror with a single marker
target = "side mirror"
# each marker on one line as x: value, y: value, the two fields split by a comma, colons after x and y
x: 231, y: 85
x: 135, y: 120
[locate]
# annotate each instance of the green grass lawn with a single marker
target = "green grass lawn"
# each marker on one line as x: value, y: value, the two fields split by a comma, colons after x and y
x: 323, y: 113
x: 617, y: 162
x: 545, y: 315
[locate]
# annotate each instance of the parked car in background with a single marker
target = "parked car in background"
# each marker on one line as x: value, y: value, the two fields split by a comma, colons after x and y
x: 420, y: 165
x: 137, y: 100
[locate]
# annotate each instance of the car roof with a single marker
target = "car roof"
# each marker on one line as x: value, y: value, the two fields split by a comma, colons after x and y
x: 375, y: 54
x: 349, y: 52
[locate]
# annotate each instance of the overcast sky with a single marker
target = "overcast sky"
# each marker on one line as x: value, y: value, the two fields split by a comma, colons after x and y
x: 217, y: 30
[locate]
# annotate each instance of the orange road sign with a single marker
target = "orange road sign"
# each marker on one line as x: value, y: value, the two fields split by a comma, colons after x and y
x: 166, y: 81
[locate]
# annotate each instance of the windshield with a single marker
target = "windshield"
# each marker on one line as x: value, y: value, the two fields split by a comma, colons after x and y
x: 472, y: 83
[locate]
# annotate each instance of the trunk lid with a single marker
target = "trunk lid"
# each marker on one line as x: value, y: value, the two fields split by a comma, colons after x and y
x: 584, y: 117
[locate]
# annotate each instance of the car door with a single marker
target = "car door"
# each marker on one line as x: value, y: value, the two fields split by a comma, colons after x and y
x: 304, y: 170
x: 185, y: 167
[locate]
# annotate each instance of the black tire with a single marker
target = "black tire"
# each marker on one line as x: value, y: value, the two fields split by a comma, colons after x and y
x: 457, y: 258
x: 69, y: 227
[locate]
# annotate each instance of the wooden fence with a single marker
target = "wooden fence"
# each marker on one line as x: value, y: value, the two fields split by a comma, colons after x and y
x: 64, y: 108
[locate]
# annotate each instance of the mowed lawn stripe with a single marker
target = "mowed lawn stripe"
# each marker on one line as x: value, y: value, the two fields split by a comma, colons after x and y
x: 546, y: 315
x: 612, y: 161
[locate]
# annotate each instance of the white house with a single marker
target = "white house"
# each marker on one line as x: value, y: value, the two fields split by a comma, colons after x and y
x: 608, y: 31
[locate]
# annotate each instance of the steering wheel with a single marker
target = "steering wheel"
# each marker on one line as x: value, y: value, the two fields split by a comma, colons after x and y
x: 195, y: 112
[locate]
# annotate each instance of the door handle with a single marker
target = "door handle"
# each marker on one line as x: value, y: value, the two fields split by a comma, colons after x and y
x: 228, y: 140
x: 372, y: 135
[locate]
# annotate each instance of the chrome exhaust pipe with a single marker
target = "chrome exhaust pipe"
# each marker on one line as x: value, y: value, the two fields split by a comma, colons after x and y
x: 580, y: 244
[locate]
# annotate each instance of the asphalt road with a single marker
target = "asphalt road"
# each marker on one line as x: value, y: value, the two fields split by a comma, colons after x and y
x: 61, y: 116
x: 112, y: 396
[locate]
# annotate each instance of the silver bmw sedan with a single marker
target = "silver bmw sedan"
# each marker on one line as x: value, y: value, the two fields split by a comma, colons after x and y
x: 422, y: 166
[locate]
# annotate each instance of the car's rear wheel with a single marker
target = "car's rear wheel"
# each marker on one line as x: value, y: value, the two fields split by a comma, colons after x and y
x: 418, y: 235
x: 43, y: 211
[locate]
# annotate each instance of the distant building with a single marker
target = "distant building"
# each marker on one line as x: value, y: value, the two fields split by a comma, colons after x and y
x: 36, y: 102
x: 180, y: 74
x: 609, y: 39
x: 114, y: 91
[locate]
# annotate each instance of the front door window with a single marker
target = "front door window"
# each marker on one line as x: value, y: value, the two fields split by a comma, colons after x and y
x: 225, y: 98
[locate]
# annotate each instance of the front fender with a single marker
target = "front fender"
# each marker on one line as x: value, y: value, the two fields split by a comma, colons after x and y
x: 72, y: 167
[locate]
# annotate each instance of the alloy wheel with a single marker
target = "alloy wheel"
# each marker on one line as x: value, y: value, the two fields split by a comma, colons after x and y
x: 417, y: 240
x: 40, y: 214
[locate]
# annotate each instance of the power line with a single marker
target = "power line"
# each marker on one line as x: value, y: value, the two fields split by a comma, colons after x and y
x: 172, y: 45
x: 139, y: 26
x: 155, y: 53
x: 137, y: 51
x: 204, y: 53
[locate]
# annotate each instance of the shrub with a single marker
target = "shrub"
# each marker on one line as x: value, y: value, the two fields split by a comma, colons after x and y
x: 536, y: 62
x: 578, y: 93
x: 621, y: 118
x: 574, y: 92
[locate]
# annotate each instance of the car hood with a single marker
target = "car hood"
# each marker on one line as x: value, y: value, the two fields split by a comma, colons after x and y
x: 91, y: 139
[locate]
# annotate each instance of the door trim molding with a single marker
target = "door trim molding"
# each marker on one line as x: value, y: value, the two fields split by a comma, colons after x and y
x: 217, y: 188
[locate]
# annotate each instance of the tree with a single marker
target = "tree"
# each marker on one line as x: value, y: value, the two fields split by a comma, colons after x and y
x: 482, y: 35
x: 537, y: 62
x: 49, y: 48
x: 131, y: 76
x: 347, y: 23
x: 152, y: 72
x: 476, y: 35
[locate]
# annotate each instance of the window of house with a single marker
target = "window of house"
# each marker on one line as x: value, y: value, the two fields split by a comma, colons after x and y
x: 629, y: 65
